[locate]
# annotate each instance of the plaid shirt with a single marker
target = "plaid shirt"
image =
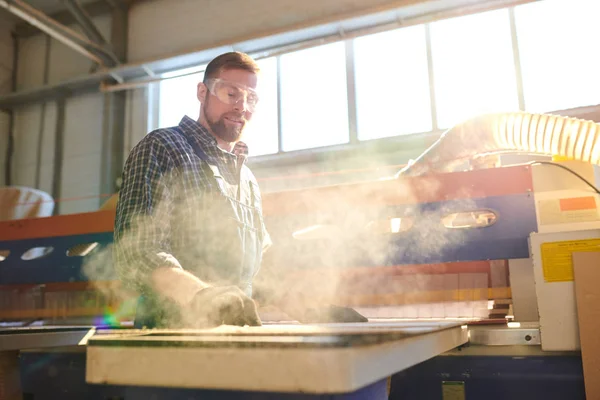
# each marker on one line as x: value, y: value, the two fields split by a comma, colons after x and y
x: 160, y: 177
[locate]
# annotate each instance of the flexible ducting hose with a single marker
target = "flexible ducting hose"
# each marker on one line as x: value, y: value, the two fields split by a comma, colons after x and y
x: 547, y: 134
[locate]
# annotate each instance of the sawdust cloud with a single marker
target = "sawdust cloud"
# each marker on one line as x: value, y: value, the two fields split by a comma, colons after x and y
x: 307, y: 272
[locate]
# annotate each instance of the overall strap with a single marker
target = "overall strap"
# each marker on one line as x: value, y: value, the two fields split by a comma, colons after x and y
x: 253, y: 191
x: 245, y: 179
x: 197, y: 149
x: 202, y: 155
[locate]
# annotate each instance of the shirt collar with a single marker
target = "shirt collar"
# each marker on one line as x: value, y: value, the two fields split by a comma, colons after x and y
x: 191, y: 126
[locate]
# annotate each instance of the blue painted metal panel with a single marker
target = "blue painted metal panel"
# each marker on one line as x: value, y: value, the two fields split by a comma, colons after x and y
x: 494, y: 378
x: 431, y: 242
x: 427, y: 242
x: 51, y: 376
x: 54, y: 267
x: 62, y: 376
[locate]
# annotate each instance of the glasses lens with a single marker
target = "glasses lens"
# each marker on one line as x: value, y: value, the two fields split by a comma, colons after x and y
x: 232, y: 94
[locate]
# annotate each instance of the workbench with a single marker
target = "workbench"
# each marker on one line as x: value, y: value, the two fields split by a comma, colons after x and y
x: 16, y: 338
x: 317, y: 359
x: 46, y: 336
x: 424, y: 358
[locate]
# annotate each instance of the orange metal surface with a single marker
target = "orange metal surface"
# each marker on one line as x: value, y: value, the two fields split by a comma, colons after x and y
x: 430, y: 188
x: 426, y: 189
x: 60, y: 225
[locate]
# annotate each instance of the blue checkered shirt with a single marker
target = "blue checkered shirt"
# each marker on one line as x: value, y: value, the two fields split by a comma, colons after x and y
x: 160, y: 177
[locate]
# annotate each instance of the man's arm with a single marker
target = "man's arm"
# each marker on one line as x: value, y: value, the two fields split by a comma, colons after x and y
x: 176, y: 284
x: 142, y: 227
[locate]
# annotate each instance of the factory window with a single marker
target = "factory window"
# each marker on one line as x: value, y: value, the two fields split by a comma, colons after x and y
x: 392, y: 84
x: 314, y: 101
x: 262, y: 132
x: 539, y: 57
x: 559, y: 53
x: 473, y: 66
x: 178, y: 97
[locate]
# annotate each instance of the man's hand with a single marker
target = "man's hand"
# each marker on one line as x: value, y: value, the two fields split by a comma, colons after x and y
x: 328, y: 314
x: 214, y: 306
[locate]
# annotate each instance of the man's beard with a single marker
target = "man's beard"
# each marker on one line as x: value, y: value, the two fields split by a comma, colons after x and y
x: 229, y: 134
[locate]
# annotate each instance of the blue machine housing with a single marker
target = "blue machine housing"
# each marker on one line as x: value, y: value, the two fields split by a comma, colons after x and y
x: 493, y: 378
x: 56, y: 266
x: 51, y: 376
x: 428, y: 241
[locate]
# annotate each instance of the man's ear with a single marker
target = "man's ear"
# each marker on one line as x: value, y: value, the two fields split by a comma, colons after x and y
x: 201, y: 92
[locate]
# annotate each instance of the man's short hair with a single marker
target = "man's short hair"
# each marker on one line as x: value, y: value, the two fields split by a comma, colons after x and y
x: 231, y: 60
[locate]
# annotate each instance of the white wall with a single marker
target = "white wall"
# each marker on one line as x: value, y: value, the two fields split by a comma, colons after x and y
x: 37, y: 124
x: 161, y: 27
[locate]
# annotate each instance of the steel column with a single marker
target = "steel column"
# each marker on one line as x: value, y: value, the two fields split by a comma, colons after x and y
x: 58, y: 152
x: 113, y: 130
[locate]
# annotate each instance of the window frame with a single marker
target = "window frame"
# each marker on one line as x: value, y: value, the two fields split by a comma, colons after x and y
x: 416, y: 142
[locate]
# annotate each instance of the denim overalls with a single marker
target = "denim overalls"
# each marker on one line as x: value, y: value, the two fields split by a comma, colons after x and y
x: 230, y: 239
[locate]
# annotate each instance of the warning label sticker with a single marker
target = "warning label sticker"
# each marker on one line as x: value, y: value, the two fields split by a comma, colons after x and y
x: 570, y: 210
x: 453, y: 390
x: 557, y: 260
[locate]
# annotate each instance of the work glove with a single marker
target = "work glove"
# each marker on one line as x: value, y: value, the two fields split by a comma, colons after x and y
x: 331, y: 313
x: 223, y: 305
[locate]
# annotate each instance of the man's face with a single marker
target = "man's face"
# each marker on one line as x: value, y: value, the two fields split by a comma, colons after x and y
x: 228, y: 103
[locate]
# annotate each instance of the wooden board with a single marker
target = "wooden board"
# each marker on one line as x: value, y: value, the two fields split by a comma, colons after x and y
x: 586, y: 268
x: 380, y: 326
x: 291, y: 358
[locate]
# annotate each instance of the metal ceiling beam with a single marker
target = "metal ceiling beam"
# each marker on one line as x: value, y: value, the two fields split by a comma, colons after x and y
x: 89, y: 28
x: 53, y: 91
x: 64, y: 17
x: 37, y: 19
x: 59, y: 32
x: 84, y: 21
x: 121, y: 4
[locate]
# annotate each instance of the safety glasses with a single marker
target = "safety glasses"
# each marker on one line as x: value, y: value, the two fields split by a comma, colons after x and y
x: 232, y: 93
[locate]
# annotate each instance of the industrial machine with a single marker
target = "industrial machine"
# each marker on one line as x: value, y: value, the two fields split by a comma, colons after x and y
x: 466, y: 274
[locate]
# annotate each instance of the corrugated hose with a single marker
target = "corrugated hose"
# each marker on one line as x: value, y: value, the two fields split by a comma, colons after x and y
x: 547, y: 134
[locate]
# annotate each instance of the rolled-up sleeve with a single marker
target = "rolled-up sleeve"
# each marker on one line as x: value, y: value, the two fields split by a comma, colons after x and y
x: 142, y: 226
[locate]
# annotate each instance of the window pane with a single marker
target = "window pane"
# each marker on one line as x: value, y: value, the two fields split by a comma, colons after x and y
x: 177, y: 97
x: 473, y: 66
x: 392, y: 83
x: 262, y: 133
x: 314, y: 102
x: 558, y: 45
